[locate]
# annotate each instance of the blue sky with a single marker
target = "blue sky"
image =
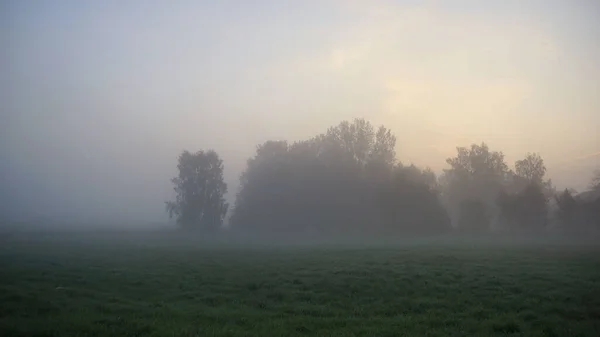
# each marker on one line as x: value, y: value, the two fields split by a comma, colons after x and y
x: 100, y: 96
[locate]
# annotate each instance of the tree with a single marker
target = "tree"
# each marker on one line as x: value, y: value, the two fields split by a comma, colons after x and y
x: 382, y: 157
x: 260, y: 201
x: 567, y: 210
x: 410, y: 203
x: 524, y: 210
x: 199, y: 189
x: 345, y: 181
x: 523, y: 204
x: 473, y: 216
x: 532, y: 168
x: 474, y: 180
x: 595, y: 183
x: 580, y: 212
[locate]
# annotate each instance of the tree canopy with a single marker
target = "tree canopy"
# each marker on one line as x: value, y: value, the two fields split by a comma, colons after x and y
x: 482, y: 193
x: 345, y: 181
x: 473, y: 182
x: 199, y: 189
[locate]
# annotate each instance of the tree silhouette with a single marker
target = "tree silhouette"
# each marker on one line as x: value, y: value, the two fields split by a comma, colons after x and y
x: 473, y: 216
x: 580, y: 212
x: 472, y: 184
x: 199, y: 188
x: 523, y: 204
x: 345, y: 181
x: 595, y: 183
x: 532, y: 168
x: 524, y: 210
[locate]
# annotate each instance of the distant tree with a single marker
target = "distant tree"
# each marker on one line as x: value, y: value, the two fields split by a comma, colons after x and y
x: 531, y: 168
x: 382, y: 156
x: 475, y: 174
x: 523, y: 204
x: 199, y: 189
x: 525, y: 210
x: 534, y: 216
x: 478, y: 160
x: 473, y: 216
x: 578, y: 213
x: 263, y: 190
x: 345, y: 181
x: 410, y: 203
x: 414, y: 175
x: 568, y: 210
x: 595, y: 183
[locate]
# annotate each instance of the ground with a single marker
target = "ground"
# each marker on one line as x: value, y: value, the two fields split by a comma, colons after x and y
x: 131, y: 285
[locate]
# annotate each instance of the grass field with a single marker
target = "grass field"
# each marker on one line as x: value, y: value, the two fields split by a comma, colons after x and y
x: 130, y: 285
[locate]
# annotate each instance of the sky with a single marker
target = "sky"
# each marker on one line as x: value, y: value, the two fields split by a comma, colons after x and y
x: 98, y: 98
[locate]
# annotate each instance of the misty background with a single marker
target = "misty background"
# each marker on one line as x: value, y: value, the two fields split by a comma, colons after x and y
x: 99, y: 98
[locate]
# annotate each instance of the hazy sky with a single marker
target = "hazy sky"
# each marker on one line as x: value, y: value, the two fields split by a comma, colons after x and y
x: 99, y: 97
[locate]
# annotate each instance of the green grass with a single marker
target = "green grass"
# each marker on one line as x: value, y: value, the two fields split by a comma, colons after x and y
x: 96, y: 285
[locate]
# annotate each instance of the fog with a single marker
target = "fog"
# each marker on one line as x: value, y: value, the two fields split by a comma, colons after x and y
x: 99, y: 98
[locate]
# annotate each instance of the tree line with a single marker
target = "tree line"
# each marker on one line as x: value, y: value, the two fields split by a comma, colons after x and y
x: 348, y: 181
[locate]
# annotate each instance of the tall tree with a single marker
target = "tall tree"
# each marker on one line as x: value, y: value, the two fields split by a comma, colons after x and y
x: 473, y: 182
x: 531, y: 168
x: 382, y: 157
x: 588, y: 206
x: 410, y: 203
x: 578, y: 213
x: 199, y: 189
x: 473, y: 216
x: 523, y: 204
x: 344, y: 181
x: 524, y: 210
x: 595, y: 183
x: 262, y: 188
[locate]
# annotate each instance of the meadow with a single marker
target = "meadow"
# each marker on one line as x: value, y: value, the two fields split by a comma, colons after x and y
x: 131, y: 284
